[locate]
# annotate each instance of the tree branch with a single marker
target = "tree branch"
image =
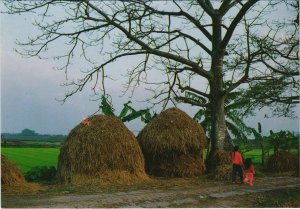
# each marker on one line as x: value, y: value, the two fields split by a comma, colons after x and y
x: 236, y: 21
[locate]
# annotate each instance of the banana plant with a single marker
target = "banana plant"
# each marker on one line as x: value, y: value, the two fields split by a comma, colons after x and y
x: 127, y: 113
x: 284, y: 140
x: 233, y: 105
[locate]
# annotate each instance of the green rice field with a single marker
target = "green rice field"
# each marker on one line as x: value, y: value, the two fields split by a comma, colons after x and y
x: 26, y: 158
x: 255, y: 155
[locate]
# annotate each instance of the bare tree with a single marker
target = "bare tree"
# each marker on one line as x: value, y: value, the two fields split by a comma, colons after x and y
x: 203, y: 47
x: 279, y: 87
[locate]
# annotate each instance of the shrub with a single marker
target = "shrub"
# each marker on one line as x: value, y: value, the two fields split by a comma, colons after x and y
x: 42, y: 174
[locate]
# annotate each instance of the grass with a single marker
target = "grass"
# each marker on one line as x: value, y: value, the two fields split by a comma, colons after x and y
x: 27, y: 158
x: 255, y: 154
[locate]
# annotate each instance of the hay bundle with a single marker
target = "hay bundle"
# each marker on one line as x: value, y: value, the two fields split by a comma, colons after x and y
x: 172, y: 144
x: 11, y: 175
x: 283, y: 161
x: 104, y: 150
x: 219, y: 165
x: 12, y: 178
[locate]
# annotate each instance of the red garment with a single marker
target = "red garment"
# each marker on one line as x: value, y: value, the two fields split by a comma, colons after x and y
x: 249, y: 175
x: 236, y: 158
x: 250, y: 170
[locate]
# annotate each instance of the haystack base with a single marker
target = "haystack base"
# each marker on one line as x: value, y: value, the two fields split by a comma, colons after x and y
x: 12, y: 179
x: 219, y: 165
x: 109, y: 178
x: 283, y: 161
x: 181, y: 165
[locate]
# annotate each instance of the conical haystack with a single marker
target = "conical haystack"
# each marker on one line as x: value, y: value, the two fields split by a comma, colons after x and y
x: 11, y: 175
x: 12, y: 178
x: 173, y: 144
x: 283, y: 161
x: 101, y: 150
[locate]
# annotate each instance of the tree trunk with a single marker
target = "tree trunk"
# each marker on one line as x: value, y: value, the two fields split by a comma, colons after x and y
x: 218, y: 129
x: 262, y: 150
x: 218, y: 132
x: 218, y: 124
x: 228, y: 144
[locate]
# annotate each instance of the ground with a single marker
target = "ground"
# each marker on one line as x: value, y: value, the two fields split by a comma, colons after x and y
x: 181, y: 193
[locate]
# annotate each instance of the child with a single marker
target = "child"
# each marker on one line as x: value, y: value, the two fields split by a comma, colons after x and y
x: 249, y: 172
x: 237, y: 163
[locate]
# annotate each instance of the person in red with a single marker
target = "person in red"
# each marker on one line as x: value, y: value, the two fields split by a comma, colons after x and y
x: 249, y: 172
x: 237, y: 164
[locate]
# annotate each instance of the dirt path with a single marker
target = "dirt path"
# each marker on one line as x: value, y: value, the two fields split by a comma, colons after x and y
x: 186, y: 194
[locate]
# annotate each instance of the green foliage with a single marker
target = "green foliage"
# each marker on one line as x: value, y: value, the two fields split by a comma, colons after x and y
x: 127, y: 113
x: 125, y: 110
x: 233, y: 117
x: 106, y: 107
x: 36, y: 136
x: 147, y: 117
x: 135, y: 114
x: 284, y: 140
x: 41, y: 174
x: 28, y: 132
x: 192, y: 98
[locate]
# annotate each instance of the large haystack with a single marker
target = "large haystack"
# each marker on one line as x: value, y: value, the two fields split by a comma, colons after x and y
x: 173, y: 144
x: 101, y: 151
x: 283, y: 161
x: 12, y: 178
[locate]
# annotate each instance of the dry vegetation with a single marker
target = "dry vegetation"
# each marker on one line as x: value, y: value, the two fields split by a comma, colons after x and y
x: 283, y: 161
x: 221, y: 166
x: 104, y: 150
x: 172, y: 144
x: 12, y: 179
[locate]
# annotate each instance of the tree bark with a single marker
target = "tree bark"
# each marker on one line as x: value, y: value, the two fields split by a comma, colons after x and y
x: 218, y: 132
x: 228, y: 143
x: 218, y: 129
x: 218, y: 124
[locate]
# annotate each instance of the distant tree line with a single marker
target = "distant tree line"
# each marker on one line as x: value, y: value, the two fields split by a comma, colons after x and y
x: 30, y: 134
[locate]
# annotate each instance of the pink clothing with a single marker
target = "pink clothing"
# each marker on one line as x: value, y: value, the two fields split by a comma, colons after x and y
x: 249, y: 175
x: 236, y: 158
x: 249, y: 178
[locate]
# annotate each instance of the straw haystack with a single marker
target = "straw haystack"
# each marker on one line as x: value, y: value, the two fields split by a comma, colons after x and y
x: 10, y: 174
x: 173, y: 144
x: 219, y: 165
x: 283, y: 161
x: 101, y: 151
x: 12, y: 178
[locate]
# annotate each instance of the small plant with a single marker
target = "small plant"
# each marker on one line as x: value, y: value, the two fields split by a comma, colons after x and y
x: 127, y: 113
x: 41, y: 174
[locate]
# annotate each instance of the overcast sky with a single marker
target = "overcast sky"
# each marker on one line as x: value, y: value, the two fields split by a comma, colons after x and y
x: 29, y: 88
